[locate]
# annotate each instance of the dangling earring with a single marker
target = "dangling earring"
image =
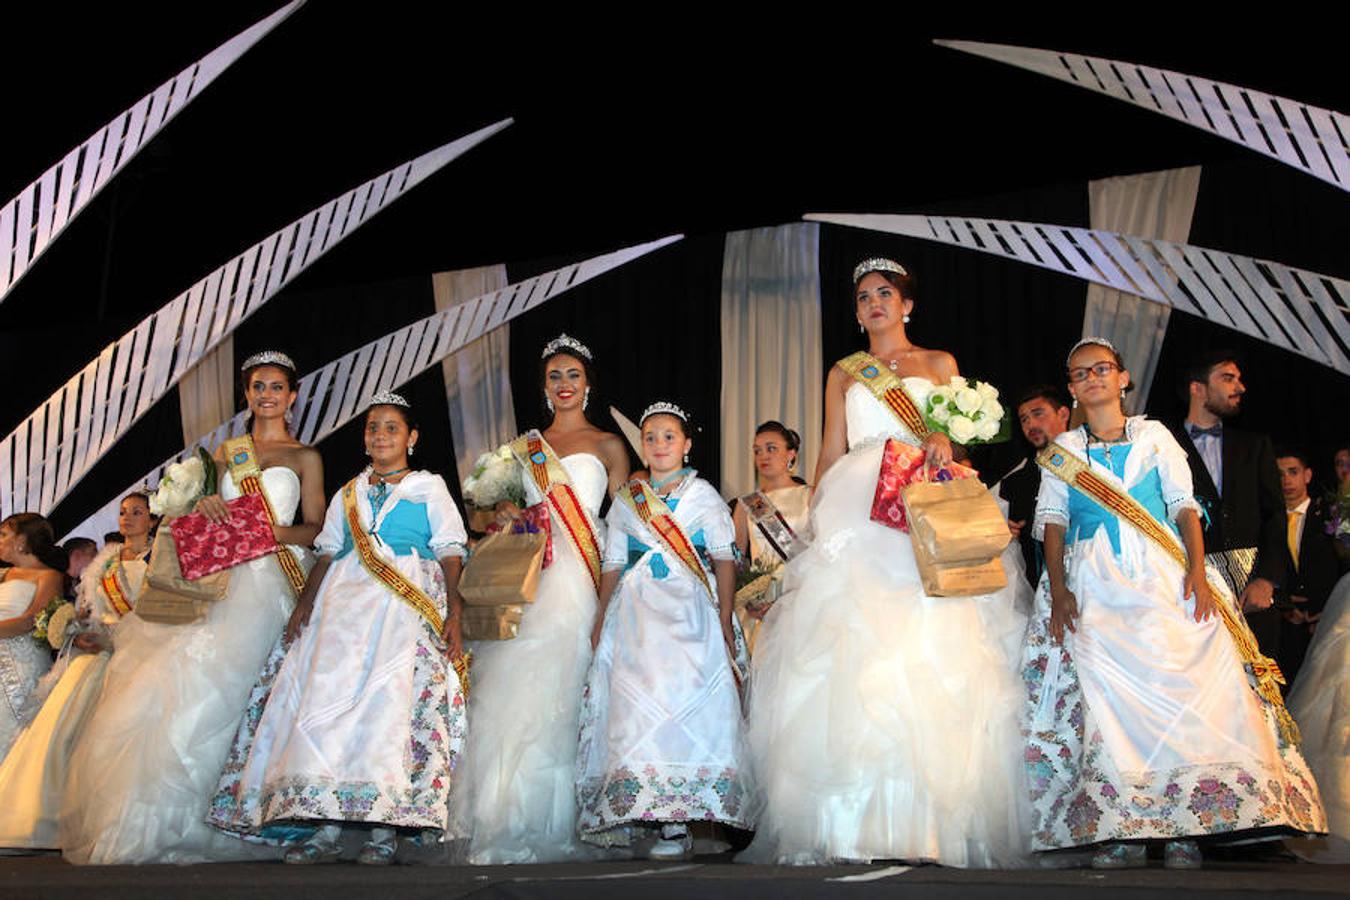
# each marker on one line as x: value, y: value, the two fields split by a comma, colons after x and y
x: 287, y: 415
x: 1122, y: 395
x: 412, y: 448
x: 686, y: 459
x: 548, y: 401
x: 1075, y: 402
x: 861, y: 329
x: 586, y: 398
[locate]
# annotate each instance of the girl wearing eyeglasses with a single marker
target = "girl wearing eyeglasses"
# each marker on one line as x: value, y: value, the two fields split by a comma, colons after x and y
x: 1148, y: 716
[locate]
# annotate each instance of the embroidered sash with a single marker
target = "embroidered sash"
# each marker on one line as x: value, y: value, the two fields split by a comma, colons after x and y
x: 382, y: 571
x: 887, y: 387
x: 114, y: 586
x: 1074, y: 471
x: 778, y: 534
x: 543, y: 465
x: 242, y: 460
x: 638, y: 496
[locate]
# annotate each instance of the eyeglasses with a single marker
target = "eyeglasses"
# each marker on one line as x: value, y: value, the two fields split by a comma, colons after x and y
x: 1101, y: 370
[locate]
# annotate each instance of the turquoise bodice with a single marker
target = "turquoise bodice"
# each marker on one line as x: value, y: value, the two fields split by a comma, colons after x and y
x: 1085, y: 516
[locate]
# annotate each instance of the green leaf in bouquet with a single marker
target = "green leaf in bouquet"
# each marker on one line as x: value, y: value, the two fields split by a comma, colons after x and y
x: 209, y: 486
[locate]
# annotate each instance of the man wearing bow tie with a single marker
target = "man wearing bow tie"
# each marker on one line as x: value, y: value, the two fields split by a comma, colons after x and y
x: 1238, y: 485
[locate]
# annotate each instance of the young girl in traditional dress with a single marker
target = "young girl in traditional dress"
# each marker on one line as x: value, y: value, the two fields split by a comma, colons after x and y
x: 34, y: 773
x: 661, y: 731
x: 360, y: 723
x: 516, y: 793
x: 1151, y: 714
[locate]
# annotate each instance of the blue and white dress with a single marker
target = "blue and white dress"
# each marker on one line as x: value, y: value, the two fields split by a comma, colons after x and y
x: 362, y: 719
x: 662, y: 739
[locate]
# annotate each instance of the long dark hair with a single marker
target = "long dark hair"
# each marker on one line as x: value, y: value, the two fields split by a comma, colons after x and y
x: 37, y: 533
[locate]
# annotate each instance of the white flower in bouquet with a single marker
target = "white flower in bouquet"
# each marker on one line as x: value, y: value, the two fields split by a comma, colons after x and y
x: 496, y: 477
x: 958, y: 383
x: 183, y: 483
x: 961, y: 429
x: 991, y: 409
x: 986, y: 429
x: 941, y: 414
x: 968, y: 400
x: 987, y: 390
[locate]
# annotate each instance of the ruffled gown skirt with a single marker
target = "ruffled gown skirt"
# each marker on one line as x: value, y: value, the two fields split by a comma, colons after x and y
x: 515, y: 794
x: 23, y: 661
x: 884, y: 722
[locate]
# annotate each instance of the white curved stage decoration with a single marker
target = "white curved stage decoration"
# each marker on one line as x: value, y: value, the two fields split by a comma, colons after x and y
x: 1298, y: 310
x: 51, y: 450
x: 33, y: 219
x: 1297, y: 134
x: 335, y: 394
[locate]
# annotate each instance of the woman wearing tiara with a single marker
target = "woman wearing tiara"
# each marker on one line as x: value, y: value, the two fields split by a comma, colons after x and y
x: 146, y: 766
x: 883, y: 721
x: 515, y: 795
x: 359, y: 723
x: 662, y: 741
x: 34, y: 773
x: 1151, y: 714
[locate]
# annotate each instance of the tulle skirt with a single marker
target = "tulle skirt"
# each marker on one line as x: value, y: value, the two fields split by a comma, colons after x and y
x: 883, y: 722
x: 515, y: 796
x: 147, y: 763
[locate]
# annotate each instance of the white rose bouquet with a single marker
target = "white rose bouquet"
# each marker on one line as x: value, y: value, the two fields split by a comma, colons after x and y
x: 183, y: 484
x: 967, y: 412
x: 496, y: 477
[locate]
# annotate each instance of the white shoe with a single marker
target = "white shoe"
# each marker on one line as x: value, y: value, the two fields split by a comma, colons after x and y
x: 674, y: 844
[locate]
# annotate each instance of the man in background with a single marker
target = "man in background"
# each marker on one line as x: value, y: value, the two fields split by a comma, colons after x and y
x: 1043, y: 414
x: 1311, y: 560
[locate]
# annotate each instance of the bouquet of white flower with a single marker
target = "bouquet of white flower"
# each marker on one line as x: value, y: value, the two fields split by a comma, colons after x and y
x: 496, y: 477
x: 183, y: 484
x: 968, y: 413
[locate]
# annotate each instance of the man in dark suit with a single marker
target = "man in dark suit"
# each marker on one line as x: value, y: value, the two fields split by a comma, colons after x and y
x: 1236, y: 482
x: 1043, y: 414
x: 1312, y: 565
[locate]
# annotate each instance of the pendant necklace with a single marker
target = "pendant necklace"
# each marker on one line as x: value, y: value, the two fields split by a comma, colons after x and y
x: 381, y: 489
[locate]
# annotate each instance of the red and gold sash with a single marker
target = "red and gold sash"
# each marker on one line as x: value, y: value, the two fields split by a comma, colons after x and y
x: 242, y: 460
x: 638, y: 496
x: 382, y: 571
x: 1074, y: 471
x: 114, y: 586
x: 887, y: 387
x: 543, y: 465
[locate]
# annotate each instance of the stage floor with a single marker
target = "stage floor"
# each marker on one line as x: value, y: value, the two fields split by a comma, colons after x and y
x: 50, y: 877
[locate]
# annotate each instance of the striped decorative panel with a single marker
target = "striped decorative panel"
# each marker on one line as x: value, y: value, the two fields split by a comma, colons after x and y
x: 1301, y: 311
x: 42, y: 460
x: 1305, y: 137
x: 340, y: 391
x: 32, y: 220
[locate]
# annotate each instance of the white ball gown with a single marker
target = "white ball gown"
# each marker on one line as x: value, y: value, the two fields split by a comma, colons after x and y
x: 22, y: 661
x: 146, y: 766
x: 1142, y: 724
x: 883, y: 721
x: 362, y: 718
x: 515, y: 792
x: 33, y: 776
x: 661, y: 732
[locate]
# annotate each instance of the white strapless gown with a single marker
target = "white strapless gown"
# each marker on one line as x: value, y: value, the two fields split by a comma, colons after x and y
x: 22, y: 661
x: 883, y: 722
x: 146, y: 766
x: 515, y: 795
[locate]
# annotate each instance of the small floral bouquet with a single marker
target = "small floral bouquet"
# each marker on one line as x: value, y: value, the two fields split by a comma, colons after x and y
x: 55, y: 623
x: 1338, y: 522
x: 183, y: 484
x: 496, y: 477
x: 967, y: 413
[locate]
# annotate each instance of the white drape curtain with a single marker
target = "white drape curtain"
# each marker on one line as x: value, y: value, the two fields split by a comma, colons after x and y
x: 206, y: 393
x: 477, y: 377
x: 1153, y: 205
x: 771, y: 344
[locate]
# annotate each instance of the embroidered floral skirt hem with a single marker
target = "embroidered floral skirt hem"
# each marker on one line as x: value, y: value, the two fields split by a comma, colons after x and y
x: 1217, y: 766
x: 361, y: 720
x: 661, y: 731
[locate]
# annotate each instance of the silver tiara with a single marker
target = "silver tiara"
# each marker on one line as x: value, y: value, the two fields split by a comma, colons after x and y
x: 268, y: 358
x: 389, y: 398
x: 877, y: 264
x: 1090, y: 342
x: 562, y: 342
x: 663, y: 407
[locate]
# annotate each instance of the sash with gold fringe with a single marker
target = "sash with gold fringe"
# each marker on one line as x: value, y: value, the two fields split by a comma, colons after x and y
x: 382, y: 571
x: 887, y: 387
x: 543, y: 465
x: 1072, y: 470
x: 638, y: 496
x: 114, y: 585
x: 242, y: 460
